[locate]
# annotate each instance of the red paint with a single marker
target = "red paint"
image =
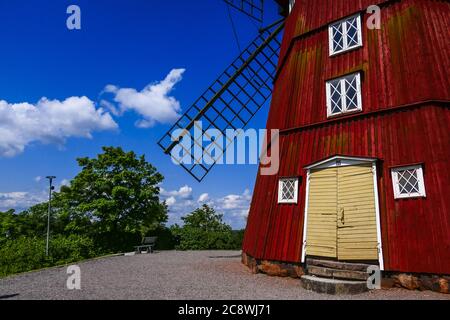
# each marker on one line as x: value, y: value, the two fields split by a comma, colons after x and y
x: 405, y: 119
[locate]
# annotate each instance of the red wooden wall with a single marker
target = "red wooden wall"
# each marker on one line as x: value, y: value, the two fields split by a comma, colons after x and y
x: 405, y: 120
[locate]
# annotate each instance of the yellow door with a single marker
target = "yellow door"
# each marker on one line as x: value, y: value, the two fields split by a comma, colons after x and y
x: 341, y: 219
x: 321, y: 237
x: 357, y: 224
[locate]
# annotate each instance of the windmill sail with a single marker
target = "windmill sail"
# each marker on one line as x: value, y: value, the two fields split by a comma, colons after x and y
x: 252, y: 8
x: 229, y: 103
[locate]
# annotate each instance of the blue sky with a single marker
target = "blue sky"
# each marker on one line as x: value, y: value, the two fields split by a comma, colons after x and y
x: 123, y: 46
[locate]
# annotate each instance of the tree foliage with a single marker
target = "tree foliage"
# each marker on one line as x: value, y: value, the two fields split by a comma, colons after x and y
x: 204, y: 229
x: 115, y: 196
x: 28, y: 253
x: 114, y: 200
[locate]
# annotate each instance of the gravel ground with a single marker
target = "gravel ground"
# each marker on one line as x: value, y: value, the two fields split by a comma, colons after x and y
x: 174, y: 275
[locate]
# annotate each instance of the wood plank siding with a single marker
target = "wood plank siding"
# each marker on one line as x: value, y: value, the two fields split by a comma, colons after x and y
x: 405, y: 119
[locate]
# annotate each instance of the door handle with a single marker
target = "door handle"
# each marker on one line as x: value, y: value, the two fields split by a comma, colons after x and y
x: 342, y: 216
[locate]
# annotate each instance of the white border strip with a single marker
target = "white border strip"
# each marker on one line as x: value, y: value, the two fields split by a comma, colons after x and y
x: 377, y: 210
x: 305, y: 220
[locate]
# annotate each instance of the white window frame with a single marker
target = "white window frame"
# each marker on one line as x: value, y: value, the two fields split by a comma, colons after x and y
x: 396, y: 185
x: 345, y: 45
x: 343, y: 95
x: 280, y: 191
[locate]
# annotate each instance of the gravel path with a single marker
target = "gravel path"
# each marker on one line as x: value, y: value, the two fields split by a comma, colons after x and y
x: 174, y: 275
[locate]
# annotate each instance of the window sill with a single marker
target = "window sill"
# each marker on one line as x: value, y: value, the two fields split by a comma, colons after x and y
x: 343, y: 114
x: 410, y: 198
x: 336, y: 54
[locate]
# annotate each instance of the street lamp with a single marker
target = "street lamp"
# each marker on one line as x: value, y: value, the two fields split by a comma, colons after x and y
x: 51, y: 188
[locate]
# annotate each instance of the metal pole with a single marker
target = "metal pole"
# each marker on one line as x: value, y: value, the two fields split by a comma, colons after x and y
x: 50, y: 178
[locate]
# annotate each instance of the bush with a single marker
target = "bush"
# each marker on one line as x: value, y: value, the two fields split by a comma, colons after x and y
x: 198, y: 239
x: 70, y: 249
x: 166, y: 240
x: 26, y: 254
x: 121, y: 242
x: 204, y: 229
x: 238, y: 239
x: 21, y: 255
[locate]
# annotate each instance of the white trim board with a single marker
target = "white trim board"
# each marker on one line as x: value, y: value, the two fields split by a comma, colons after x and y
x: 339, y: 161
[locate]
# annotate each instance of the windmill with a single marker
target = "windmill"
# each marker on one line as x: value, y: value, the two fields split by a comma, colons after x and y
x: 232, y: 100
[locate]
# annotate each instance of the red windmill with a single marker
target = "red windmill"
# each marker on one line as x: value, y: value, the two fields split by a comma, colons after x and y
x: 364, y: 124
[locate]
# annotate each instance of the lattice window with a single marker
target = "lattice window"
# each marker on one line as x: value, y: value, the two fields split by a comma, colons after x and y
x: 288, y: 190
x: 344, y: 95
x: 408, y: 182
x: 345, y: 35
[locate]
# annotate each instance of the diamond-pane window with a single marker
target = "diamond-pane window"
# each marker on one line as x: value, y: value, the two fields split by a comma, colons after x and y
x: 408, y: 182
x: 288, y: 190
x: 344, y: 95
x: 345, y: 35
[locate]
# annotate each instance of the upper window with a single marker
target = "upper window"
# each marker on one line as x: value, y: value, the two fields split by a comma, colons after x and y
x: 288, y: 190
x: 408, y: 182
x: 344, y: 95
x: 345, y: 35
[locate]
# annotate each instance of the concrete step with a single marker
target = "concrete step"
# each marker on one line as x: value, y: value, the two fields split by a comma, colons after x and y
x: 349, y: 266
x: 337, y: 273
x: 333, y: 286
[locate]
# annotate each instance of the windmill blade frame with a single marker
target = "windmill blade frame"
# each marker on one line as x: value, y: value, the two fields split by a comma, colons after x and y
x: 229, y: 103
x: 252, y: 8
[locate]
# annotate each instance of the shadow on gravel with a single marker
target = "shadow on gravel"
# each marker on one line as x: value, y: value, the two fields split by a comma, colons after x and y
x: 8, y: 296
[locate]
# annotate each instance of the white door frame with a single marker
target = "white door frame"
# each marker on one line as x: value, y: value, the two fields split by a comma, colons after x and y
x: 341, y: 161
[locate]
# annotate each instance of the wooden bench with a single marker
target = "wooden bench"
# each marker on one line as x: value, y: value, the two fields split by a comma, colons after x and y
x: 147, y: 244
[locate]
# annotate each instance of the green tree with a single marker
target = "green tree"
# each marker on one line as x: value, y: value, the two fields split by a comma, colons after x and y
x: 8, y: 225
x: 115, y: 196
x: 204, y: 229
x: 114, y: 200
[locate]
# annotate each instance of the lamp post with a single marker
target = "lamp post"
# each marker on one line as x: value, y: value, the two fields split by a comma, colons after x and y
x: 51, y: 187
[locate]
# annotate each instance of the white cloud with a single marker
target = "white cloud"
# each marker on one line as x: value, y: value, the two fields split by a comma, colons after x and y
x: 203, y: 197
x: 184, y: 192
x: 234, y: 207
x: 20, y: 200
x: 153, y: 103
x: 54, y: 121
x: 38, y: 179
x: 171, y: 201
x: 49, y: 121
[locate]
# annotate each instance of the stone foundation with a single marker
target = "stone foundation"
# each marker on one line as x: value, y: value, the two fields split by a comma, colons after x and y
x: 272, y: 268
x: 421, y: 282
